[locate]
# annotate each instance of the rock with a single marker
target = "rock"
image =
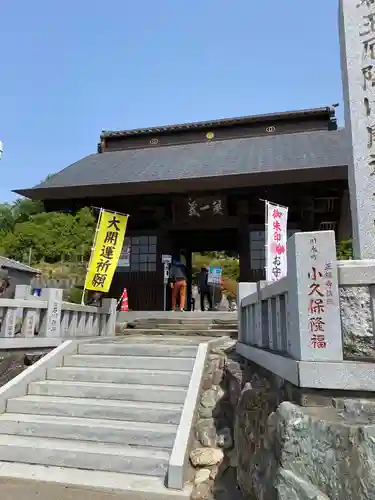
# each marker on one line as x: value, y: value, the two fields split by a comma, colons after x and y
x: 205, y: 412
x: 224, y: 438
x: 214, y: 472
x: 214, y: 357
x: 295, y: 467
x: 356, y: 320
x: 292, y: 487
x: 227, y: 346
x: 207, y: 381
x: 203, y: 457
x: 232, y: 456
x: 30, y: 359
x: 211, y: 398
x: 202, y: 476
x: 206, y: 432
x: 201, y: 492
x: 217, y: 376
x: 11, y: 366
x: 234, y: 375
x: 225, y: 486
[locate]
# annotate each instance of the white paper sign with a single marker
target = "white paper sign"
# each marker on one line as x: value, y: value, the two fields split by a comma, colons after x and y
x: 214, y: 275
x: 124, y: 260
x: 166, y: 259
x: 276, y: 238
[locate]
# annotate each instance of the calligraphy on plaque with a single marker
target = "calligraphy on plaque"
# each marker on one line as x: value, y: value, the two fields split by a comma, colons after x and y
x: 198, y: 208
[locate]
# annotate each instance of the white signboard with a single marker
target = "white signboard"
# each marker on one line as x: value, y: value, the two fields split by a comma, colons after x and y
x: 124, y: 260
x: 276, y: 238
x: 166, y: 259
x: 166, y: 273
x: 214, y: 275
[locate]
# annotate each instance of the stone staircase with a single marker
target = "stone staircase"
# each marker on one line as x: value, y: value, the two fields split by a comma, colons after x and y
x: 185, y: 324
x: 107, y: 416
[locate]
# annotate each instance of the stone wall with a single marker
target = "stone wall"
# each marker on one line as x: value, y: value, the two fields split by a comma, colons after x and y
x: 293, y: 444
x: 257, y: 437
x: 213, y: 455
x: 357, y: 321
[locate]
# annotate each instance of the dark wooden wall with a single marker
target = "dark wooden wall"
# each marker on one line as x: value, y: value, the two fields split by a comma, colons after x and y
x: 220, y: 133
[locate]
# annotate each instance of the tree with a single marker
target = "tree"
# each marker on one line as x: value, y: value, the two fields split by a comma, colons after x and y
x: 52, y: 237
x: 6, y: 218
x: 24, y: 208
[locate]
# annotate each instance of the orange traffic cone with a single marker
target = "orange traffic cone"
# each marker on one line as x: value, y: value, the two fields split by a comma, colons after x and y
x: 124, y: 301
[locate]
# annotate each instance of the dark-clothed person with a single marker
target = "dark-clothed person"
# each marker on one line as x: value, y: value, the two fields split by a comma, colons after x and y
x: 204, y: 288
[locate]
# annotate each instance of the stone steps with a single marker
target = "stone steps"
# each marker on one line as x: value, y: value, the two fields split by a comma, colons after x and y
x: 185, y: 331
x: 131, y: 411
x: 120, y: 376
x: 153, y: 435
x: 84, y: 455
x: 110, y: 408
x: 125, y: 392
x: 137, y: 349
x: 24, y: 481
x: 129, y: 362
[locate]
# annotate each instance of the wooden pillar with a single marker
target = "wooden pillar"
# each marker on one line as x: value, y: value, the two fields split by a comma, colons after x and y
x: 244, y: 240
x: 165, y: 246
x: 308, y: 215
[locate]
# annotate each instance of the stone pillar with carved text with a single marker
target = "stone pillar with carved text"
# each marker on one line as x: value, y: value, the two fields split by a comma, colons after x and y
x: 357, y: 40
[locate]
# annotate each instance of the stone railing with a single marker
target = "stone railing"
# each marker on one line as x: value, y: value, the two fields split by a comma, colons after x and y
x: 47, y: 316
x: 298, y: 315
x: 302, y: 326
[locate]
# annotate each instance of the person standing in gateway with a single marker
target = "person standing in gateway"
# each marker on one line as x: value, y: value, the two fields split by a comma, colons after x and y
x: 178, y: 278
x: 204, y: 288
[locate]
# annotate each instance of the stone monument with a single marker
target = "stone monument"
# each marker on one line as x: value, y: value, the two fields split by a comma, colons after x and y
x: 357, y: 41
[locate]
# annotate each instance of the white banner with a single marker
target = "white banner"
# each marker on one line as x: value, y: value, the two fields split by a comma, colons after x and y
x: 276, y: 238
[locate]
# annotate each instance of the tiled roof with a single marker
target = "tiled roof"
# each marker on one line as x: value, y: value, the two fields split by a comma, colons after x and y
x: 327, y: 112
x: 303, y: 150
x: 6, y: 263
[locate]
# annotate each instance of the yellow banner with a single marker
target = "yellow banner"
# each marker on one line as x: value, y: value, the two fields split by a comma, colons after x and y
x: 106, y: 252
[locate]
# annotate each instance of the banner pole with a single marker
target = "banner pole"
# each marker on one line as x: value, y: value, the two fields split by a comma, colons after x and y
x: 272, y: 203
x: 109, y: 211
x: 266, y: 203
x: 92, y: 248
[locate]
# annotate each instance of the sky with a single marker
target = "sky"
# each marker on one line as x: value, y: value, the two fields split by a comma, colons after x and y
x: 72, y: 68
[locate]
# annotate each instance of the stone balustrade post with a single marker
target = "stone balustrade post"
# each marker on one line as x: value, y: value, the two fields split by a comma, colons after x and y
x: 314, y: 330
x: 51, y: 323
x: 108, y: 327
x: 244, y: 289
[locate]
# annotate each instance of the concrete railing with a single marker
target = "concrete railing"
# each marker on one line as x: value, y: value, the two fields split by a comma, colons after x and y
x: 47, y: 316
x: 298, y: 315
x: 298, y: 326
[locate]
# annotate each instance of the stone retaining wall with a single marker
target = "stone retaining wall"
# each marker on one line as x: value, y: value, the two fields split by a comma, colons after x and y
x: 259, y: 437
x: 213, y: 454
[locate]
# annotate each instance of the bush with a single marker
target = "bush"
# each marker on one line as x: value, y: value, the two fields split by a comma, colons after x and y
x: 345, y: 250
x: 75, y: 295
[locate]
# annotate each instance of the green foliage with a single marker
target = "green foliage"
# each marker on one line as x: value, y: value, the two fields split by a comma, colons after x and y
x: 75, y: 295
x: 25, y: 229
x: 230, y: 265
x: 345, y: 250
